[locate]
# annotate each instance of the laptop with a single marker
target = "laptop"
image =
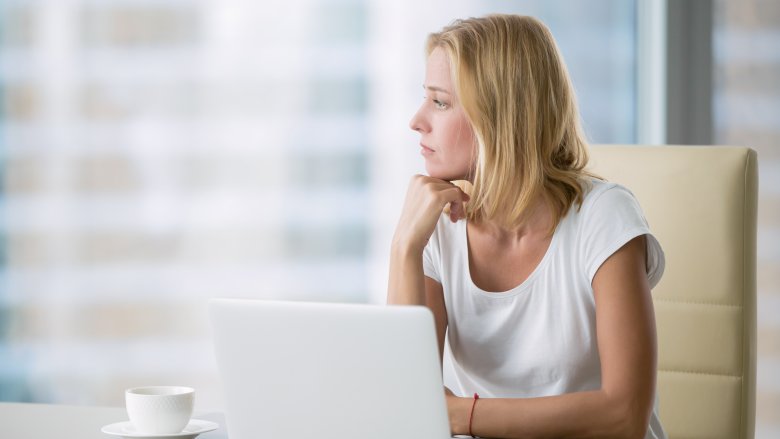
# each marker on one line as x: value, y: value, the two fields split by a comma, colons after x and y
x: 321, y: 370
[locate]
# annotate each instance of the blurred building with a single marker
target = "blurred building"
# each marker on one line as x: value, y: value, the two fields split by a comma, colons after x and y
x: 746, y: 112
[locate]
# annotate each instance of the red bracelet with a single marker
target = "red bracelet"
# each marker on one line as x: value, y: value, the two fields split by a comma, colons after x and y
x: 471, y: 415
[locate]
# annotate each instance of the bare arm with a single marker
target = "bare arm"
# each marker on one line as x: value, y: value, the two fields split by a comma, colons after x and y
x: 434, y: 299
x: 414, y: 288
x: 625, y: 326
x: 425, y: 200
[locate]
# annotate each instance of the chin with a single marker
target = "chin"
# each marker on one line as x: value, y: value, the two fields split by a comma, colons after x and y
x: 445, y: 174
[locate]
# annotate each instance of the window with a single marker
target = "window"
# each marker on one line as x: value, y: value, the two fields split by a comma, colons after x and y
x: 159, y: 153
x: 746, y: 111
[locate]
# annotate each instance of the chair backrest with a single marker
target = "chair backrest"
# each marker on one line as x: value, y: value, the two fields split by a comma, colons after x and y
x: 701, y: 205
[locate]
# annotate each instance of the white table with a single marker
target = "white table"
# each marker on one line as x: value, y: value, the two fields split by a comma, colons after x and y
x: 47, y: 421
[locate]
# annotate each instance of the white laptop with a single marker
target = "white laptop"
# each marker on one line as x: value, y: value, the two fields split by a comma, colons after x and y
x: 293, y: 370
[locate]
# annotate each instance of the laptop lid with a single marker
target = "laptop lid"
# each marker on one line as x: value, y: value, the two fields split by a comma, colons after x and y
x: 347, y: 371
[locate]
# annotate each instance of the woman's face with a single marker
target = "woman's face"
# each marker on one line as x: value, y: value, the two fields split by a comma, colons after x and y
x: 446, y: 137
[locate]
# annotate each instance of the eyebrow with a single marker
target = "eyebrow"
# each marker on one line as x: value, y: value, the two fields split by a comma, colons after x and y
x: 434, y: 88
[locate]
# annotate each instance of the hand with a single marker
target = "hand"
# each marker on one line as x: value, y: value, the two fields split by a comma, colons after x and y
x: 426, y: 198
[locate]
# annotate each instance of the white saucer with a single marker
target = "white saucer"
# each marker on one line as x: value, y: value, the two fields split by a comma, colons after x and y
x: 126, y: 430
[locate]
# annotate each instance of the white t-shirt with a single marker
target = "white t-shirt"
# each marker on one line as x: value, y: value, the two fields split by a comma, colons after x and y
x: 539, y: 338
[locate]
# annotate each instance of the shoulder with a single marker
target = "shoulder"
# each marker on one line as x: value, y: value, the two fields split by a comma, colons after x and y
x: 443, y: 247
x: 446, y: 229
x: 600, y: 193
x: 607, y: 207
x: 609, y: 218
x: 445, y: 235
x: 608, y: 200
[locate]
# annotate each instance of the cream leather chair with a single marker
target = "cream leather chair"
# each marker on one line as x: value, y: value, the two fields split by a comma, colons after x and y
x: 701, y: 205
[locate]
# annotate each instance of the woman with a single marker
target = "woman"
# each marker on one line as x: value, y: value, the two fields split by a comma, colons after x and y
x: 541, y: 276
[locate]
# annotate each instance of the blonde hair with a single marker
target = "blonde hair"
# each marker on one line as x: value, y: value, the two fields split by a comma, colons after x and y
x: 517, y: 95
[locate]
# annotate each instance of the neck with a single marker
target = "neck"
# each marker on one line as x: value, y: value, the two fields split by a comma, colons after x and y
x: 536, y: 221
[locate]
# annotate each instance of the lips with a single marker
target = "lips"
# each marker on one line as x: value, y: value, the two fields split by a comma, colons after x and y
x: 426, y: 150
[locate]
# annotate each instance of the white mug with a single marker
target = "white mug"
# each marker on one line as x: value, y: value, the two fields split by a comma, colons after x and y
x: 159, y: 409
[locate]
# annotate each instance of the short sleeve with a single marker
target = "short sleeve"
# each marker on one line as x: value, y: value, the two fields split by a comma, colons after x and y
x: 432, y: 257
x: 612, y: 219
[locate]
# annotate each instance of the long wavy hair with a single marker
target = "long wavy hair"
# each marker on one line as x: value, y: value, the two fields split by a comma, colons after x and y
x: 516, y: 92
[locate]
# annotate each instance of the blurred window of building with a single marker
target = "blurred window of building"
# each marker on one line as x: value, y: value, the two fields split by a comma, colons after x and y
x: 746, y: 112
x: 158, y: 153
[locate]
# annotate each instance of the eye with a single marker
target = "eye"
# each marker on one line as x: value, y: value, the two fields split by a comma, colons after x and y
x: 439, y: 104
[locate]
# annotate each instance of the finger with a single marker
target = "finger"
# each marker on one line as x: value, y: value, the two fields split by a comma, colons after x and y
x: 456, y: 211
x: 454, y: 194
x: 464, y: 196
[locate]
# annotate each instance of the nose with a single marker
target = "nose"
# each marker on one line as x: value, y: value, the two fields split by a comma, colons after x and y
x: 419, y: 121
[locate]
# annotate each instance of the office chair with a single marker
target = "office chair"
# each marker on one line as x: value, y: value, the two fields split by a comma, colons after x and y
x: 700, y: 202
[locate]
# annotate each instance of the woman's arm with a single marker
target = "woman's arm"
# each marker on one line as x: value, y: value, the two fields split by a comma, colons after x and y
x: 425, y: 200
x: 412, y: 287
x: 625, y: 327
x: 406, y: 285
x: 434, y: 299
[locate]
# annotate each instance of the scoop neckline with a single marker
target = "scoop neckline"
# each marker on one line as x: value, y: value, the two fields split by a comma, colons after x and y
x: 525, y: 284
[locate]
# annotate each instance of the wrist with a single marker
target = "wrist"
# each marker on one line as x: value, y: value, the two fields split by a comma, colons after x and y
x: 461, y: 415
x: 471, y: 415
x: 406, y: 246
